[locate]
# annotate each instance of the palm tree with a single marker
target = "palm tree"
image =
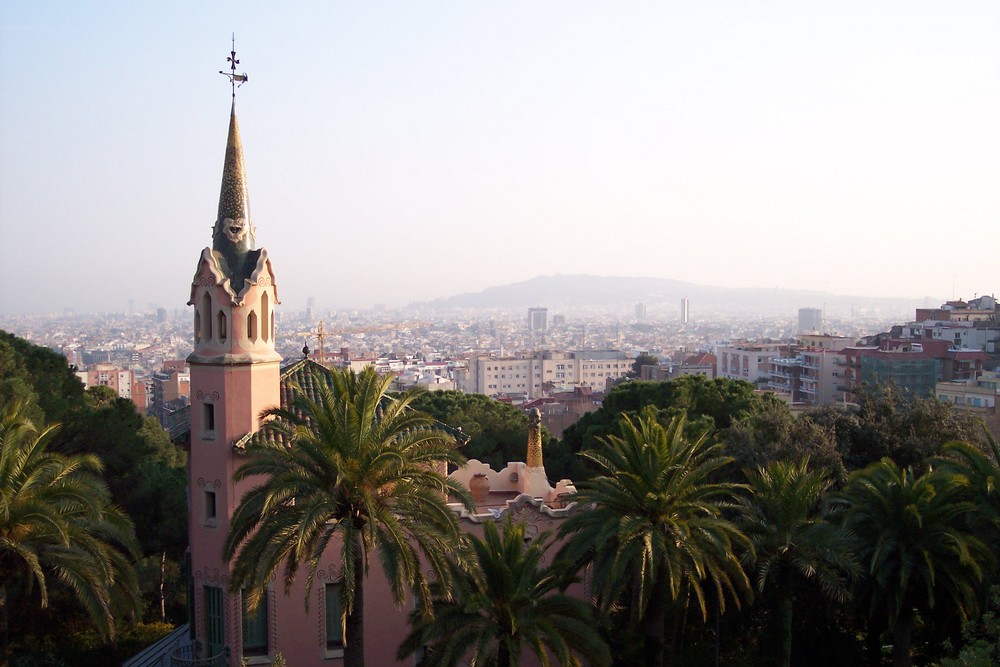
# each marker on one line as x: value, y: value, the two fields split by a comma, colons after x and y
x: 982, y: 471
x: 783, y: 517
x: 914, y: 544
x: 57, y: 522
x: 354, y: 465
x: 502, y: 604
x: 654, y: 526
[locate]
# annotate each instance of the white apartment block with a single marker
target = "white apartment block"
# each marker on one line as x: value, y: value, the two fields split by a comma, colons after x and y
x: 531, y: 374
x: 748, y: 361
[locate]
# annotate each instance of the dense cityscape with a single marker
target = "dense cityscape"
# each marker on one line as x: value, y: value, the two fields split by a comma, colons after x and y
x: 708, y: 431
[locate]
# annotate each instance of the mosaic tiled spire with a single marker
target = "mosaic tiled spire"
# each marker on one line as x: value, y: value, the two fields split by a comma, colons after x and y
x: 234, y: 203
x: 233, y: 235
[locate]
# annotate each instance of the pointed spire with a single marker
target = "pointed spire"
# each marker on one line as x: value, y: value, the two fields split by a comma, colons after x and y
x: 234, y: 202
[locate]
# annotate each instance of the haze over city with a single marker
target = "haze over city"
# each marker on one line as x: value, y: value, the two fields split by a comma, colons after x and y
x: 401, y: 153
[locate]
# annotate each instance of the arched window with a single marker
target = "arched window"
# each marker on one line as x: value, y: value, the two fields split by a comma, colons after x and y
x: 265, y: 316
x: 197, y: 325
x: 252, y: 327
x: 206, y: 316
x: 222, y: 325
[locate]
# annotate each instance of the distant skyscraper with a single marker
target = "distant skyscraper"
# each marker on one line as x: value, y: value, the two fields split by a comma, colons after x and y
x: 538, y: 319
x: 685, y: 310
x: 161, y: 315
x: 810, y: 320
x: 640, y: 311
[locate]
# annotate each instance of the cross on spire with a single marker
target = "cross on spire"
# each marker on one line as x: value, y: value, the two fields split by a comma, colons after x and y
x: 235, y: 80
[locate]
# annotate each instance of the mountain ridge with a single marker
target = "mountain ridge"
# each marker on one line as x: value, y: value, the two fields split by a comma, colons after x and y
x: 586, y: 290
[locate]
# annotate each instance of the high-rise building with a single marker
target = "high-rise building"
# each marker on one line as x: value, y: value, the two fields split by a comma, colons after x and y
x: 810, y: 321
x: 685, y: 310
x: 538, y: 319
x: 640, y: 311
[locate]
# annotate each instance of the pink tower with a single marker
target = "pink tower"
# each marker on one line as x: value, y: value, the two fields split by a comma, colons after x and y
x: 235, y: 375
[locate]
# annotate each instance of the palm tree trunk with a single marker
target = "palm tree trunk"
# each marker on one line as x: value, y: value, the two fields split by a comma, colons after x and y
x: 354, y: 626
x: 873, y: 639
x: 4, y: 632
x: 654, y: 629
x: 785, y: 611
x: 503, y: 655
x: 902, y: 633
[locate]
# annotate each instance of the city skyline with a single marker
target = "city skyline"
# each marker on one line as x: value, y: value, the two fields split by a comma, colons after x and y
x: 411, y: 153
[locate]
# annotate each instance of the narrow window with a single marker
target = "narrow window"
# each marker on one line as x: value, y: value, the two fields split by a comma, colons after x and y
x: 197, y: 325
x: 213, y: 620
x: 222, y: 325
x: 211, y: 509
x: 252, y: 326
x: 334, y: 629
x: 208, y: 410
x: 255, y: 628
x: 206, y: 310
x: 265, y: 315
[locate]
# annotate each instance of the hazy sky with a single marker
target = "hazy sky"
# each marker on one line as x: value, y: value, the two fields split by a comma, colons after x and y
x: 412, y: 150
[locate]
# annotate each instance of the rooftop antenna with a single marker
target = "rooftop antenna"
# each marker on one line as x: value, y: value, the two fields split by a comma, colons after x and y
x: 235, y: 80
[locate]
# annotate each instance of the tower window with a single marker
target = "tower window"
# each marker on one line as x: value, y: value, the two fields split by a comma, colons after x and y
x: 208, y: 420
x: 206, y: 310
x: 265, y: 316
x: 211, y: 509
x: 252, y: 326
x: 197, y: 325
x: 222, y: 325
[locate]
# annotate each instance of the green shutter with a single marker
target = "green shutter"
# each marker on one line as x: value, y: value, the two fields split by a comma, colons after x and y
x: 334, y: 631
x: 213, y: 619
x: 255, y: 628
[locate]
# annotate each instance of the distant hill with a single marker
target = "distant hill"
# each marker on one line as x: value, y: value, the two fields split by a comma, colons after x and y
x: 586, y: 291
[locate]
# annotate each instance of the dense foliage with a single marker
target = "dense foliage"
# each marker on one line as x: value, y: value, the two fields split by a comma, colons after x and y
x: 142, y: 473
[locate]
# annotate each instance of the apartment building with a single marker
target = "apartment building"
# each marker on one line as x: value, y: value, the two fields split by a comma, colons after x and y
x: 749, y: 361
x: 538, y: 372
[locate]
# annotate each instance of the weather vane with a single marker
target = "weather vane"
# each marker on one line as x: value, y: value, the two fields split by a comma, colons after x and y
x: 236, y: 80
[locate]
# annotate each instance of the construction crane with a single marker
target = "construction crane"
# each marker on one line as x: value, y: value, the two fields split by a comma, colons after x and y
x: 321, y: 333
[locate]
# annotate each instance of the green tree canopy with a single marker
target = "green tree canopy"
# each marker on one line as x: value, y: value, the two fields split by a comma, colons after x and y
x: 504, y: 603
x: 655, y: 528
x: 915, y: 545
x: 889, y: 423
x: 498, y: 432
x: 56, y: 388
x: 57, y: 522
x: 784, y: 519
x: 706, y: 404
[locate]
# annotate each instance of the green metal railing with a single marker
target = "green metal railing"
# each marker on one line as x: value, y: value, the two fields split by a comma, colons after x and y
x: 194, y: 655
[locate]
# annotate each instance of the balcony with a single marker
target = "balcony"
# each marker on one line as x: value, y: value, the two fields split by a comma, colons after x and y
x: 195, y: 655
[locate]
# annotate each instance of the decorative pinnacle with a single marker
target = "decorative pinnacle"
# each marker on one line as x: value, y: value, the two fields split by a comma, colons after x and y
x: 233, y: 77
